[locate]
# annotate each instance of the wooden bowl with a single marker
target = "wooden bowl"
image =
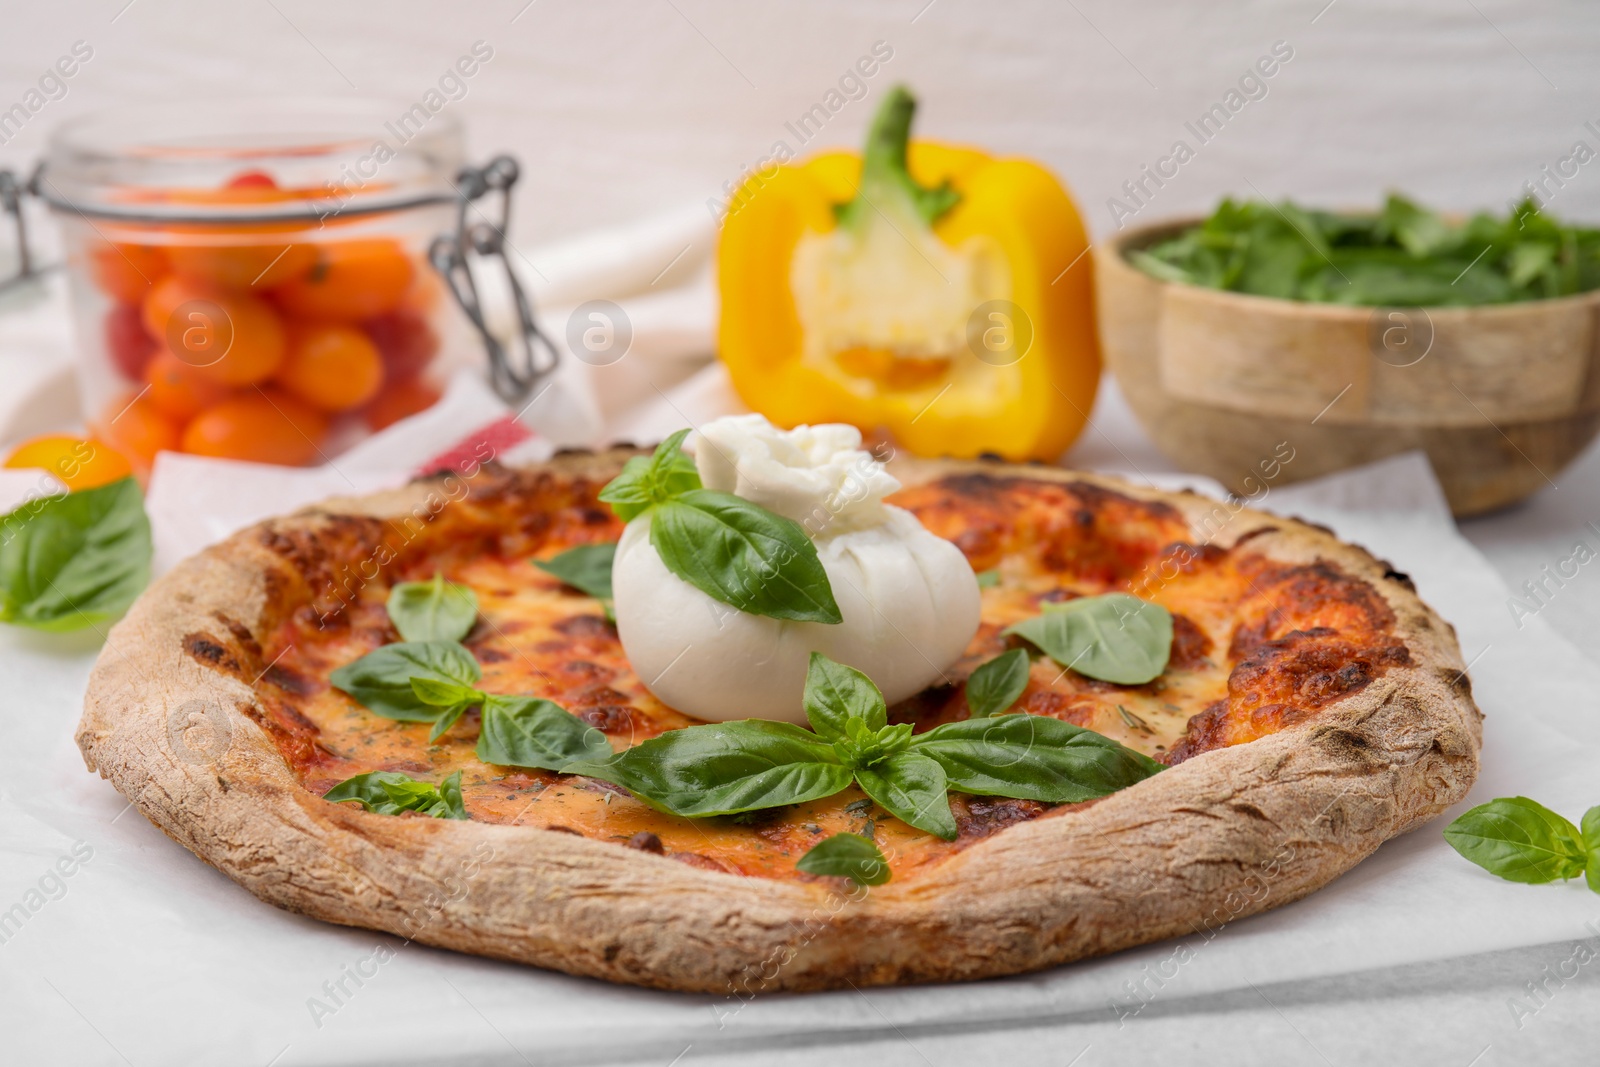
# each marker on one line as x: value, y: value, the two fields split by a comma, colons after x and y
x: 1501, y: 397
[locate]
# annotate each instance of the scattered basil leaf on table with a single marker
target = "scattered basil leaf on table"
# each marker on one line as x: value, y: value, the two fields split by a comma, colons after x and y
x: 390, y: 793
x: 1591, y: 843
x: 729, y: 548
x: 433, y: 611
x: 1113, y: 637
x: 996, y: 685
x: 1521, y: 841
x: 381, y: 680
x: 530, y: 732
x: 74, y: 560
x: 587, y: 569
x: 846, y: 855
x: 732, y: 767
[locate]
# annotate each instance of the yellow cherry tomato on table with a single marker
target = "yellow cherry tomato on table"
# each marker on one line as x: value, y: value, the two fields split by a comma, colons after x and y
x: 75, y: 462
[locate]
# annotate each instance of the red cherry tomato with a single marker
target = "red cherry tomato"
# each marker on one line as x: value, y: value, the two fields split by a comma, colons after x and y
x: 405, y: 341
x: 128, y: 342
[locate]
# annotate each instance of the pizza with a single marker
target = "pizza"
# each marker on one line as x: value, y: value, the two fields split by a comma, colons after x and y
x: 1311, y: 707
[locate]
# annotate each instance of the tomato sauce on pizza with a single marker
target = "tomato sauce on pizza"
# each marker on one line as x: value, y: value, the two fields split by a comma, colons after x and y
x: 1258, y: 645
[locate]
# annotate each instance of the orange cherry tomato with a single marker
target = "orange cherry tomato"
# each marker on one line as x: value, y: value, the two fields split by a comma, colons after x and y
x: 350, y: 281
x: 259, y: 425
x: 127, y: 341
x: 76, y: 463
x: 399, y: 400
x: 228, y: 338
x: 405, y: 341
x: 138, y: 429
x: 126, y: 272
x: 179, y: 390
x: 332, y: 367
x: 259, y: 265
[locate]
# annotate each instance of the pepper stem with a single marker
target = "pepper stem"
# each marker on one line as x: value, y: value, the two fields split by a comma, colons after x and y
x: 885, y: 176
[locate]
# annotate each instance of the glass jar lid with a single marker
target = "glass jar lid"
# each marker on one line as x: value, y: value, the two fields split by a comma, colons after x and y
x: 231, y: 161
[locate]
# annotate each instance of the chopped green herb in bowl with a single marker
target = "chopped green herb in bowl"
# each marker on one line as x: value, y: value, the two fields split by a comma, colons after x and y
x: 1402, y: 256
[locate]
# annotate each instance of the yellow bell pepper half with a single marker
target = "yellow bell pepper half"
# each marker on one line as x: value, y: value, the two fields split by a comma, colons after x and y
x: 923, y: 289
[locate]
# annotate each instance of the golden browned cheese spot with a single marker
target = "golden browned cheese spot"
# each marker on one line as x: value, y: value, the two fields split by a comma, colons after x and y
x: 1257, y: 646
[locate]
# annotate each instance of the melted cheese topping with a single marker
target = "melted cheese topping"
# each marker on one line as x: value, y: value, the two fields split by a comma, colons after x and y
x: 1257, y: 645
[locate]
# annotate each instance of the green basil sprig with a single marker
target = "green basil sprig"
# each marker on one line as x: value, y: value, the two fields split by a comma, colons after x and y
x: 1114, y: 637
x: 1521, y: 840
x: 433, y: 611
x: 587, y: 569
x: 732, y: 767
x: 390, y: 793
x: 381, y: 680
x: 849, y: 856
x: 996, y: 685
x: 74, y: 560
x: 732, y: 550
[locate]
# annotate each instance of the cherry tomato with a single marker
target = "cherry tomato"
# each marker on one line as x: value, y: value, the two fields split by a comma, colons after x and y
x: 76, y: 463
x: 250, y: 179
x: 399, y: 400
x: 179, y: 390
x: 331, y: 367
x: 126, y: 272
x: 350, y: 281
x: 228, y: 338
x: 128, y: 342
x: 405, y: 341
x: 259, y: 265
x: 138, y: 429
x: 258, y: 425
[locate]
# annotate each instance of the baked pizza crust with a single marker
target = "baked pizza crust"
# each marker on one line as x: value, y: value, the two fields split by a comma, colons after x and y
x: 1229, y: 833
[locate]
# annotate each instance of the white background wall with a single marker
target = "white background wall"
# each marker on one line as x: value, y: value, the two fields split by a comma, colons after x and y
x: 620, y: 108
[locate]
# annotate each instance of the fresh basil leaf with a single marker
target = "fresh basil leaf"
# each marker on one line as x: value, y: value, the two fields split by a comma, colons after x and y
x: 1520, y: 840
x: 381, y: 680
x: 390, y: 793
x: 743, y: 555
x: 586, y: 568
x: 1113, y: 637
x: 988, y: 579
x: 1032, y: 757
x: 453, y: 700
x: 74, y: 560
x: 724, y: 768
x: 912, y: 788
x: 846, y: 855
x: 647, y: 481
x: 835, y: 694
x: 433, y: 611
x: 996, y: 685
x: 1591, y: 844
x: 433, y: 692
x: 529, y: 732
